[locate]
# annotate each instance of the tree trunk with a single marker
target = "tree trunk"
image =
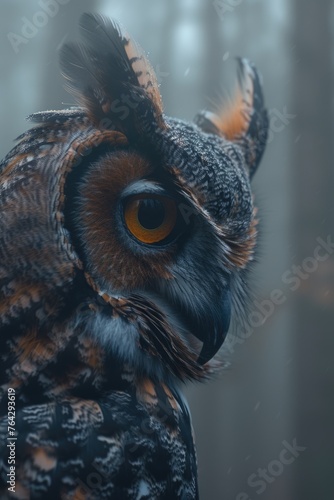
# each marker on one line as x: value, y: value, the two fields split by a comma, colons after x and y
x: 313, y: 217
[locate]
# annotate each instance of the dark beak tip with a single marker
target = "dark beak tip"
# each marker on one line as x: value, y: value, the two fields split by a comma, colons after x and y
x: 217, y: 327
x: 209, y: 350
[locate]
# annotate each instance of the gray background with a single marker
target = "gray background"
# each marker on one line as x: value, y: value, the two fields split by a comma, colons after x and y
x: 279, y: 383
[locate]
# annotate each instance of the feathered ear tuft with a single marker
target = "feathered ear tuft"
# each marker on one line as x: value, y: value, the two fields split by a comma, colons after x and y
x: 244, y: 120
x: 111, y: 78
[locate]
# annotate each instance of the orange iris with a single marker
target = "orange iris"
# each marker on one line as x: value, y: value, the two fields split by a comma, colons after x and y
x: 150, y: 218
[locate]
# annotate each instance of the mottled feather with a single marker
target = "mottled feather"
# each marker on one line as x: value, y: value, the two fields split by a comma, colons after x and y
x: 98, y: 329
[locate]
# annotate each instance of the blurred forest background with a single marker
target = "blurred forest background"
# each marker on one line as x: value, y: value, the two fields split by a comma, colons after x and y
x: 279, y: 387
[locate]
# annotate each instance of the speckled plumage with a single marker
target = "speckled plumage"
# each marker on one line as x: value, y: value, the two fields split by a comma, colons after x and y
x: 98, y: 327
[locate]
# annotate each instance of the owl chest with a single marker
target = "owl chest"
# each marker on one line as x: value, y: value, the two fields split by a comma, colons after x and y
x: 112, y: 434
x: 131, y: 441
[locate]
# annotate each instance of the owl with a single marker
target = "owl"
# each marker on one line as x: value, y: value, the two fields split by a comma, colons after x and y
x: 126, y: 237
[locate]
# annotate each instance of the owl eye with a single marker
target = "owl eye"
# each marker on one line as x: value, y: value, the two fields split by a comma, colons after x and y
x: 150, y: 219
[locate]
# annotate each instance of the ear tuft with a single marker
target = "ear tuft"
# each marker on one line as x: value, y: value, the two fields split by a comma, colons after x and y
x: 244, y: 119
x: 110, y: 76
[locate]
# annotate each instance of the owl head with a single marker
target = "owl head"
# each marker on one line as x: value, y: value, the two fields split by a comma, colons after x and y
x: 125, y: 226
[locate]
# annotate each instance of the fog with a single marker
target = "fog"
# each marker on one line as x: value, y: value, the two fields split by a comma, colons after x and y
x: 277, y: 391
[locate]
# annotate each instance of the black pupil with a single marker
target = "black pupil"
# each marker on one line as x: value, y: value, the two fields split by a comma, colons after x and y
x: 151, y: 213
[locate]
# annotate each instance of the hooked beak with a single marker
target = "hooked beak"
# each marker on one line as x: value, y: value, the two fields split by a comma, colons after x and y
x: 213, y: 329
x: 208, y: 320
